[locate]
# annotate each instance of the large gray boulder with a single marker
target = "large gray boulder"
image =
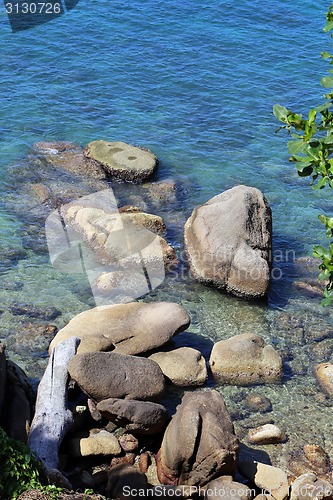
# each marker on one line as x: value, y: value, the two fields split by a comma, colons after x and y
x: 228, y: 242
x: 103, y: 375
x: 122, y: 161
x: 140, y: 417
x: 244, y: 360
x: 131, y: 328
x: 199, y: 444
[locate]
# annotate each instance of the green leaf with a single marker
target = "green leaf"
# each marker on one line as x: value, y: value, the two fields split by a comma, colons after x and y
x: 319, y: 251
x: 327, y: 82
x: 326, y: 302
x: 328, y: 26
x: 280, y: 112
x: 321, y: 183
x: 296, y: 146
x: 326, y: 55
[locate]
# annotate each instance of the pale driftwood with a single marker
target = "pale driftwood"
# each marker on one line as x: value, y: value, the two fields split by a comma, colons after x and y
x: 52, y: 417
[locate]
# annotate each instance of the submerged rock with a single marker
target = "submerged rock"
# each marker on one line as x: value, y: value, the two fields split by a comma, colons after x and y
x: 104, y: 375
x: 228, y: 242
x: 258, y: 403
x: 311, y: 458
x: 30, y: 310
x: 121, y: 160
x: 244, y: 360
x: 132, y: 328
x: 68, y: 156
x: 199, y: 444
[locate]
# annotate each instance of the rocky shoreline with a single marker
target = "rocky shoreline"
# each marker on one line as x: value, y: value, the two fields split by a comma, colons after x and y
x: 124, y: 435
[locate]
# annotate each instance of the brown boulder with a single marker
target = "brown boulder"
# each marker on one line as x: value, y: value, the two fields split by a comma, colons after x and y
x: 324, y: 376
x: 228, y: 242
x: 199, y: 444
x: 244, y: 360
x: 140, y: 417
x: 104, y: 375
x: 132, y: 328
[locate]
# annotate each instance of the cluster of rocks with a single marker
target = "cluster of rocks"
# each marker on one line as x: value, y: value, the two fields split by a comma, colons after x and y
x: 124, y: 434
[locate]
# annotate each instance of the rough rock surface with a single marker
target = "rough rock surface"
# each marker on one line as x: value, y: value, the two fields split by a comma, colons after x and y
x: 141, y: 417
x: 264, y: 476
x: 228, y: 242
x: 132, y: 328
x: 199, y: 444
x: 104, y: 375
x: 309, y: 487
x: 311, y: 458
x: 99, y: 442
x: 258, y: 403
x: 121, y: 160
x: 245, y: 359
x: 266, y: 434
x: 184, y: 366
x: 324, y: 375
x: 68, y: 156
x: 225, y: 488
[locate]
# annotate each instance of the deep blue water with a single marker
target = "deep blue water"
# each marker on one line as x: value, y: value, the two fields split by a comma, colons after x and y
x: 195, y: 82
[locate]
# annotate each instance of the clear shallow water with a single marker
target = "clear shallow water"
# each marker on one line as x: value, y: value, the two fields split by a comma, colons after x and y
x: 195, y: 82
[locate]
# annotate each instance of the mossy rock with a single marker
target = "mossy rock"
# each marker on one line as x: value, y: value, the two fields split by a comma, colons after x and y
x: 122, y: 161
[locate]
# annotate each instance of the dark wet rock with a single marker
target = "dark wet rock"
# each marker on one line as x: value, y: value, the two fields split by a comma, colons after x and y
x: 104, y: 375
x: 126, y: 458
x: 140, y: 417
x: 199, y: 444
x: 258, y: 403
x: 324, y: 376
x: 121, y: 160
x: 19, y: 406
x: 228, y: 242
x: 31, y: 311
x: 11, y: 285
x: 69, y: 157
x: 131, y: 328
x: 9, y: 257
x: 311, y: 458
x: 225, y: 488
x: 184, y: 366
x: 122, y: 476
x: 244, y: 360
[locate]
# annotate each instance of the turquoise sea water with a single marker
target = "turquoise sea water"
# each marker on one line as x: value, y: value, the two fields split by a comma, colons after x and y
x: 195, y: 82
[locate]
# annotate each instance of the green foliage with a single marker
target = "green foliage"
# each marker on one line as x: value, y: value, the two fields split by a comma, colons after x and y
x: 19, y: 470
x: 311, y: 148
